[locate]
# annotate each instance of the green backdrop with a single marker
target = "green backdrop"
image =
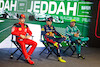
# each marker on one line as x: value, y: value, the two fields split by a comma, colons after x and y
x: 79, y: 10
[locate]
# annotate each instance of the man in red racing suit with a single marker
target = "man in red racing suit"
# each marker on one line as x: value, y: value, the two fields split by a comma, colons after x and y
x: 23, y: 34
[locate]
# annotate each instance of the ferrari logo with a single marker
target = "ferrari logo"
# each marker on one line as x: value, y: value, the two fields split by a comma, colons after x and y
x: 23, y: 15
x: 20, y: 29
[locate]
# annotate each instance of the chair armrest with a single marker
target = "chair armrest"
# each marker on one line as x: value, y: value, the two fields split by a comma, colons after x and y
x: 32, y: 37
x: 12, y: 38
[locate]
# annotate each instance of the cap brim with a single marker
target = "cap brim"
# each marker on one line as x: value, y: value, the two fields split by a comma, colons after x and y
x: 22, y: 17
x: 73, y: 21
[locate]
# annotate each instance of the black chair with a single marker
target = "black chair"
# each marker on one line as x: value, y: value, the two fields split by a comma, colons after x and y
x: 48, y: 46
x: 72, y: 46
x: 18, y: 47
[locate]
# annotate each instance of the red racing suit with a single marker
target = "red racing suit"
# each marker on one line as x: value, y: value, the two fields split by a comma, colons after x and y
x: 23, y: 29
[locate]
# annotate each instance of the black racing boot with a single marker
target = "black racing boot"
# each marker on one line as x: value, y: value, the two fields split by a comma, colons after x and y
x: 80, y: 56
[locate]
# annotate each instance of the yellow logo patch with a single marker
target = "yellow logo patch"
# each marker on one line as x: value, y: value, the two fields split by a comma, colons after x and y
x: 25, y: 26
x: 20, y: 29
x: 51, y: 27
x: 42, y: 29
x: 50, y: 32
x: 47, y: 33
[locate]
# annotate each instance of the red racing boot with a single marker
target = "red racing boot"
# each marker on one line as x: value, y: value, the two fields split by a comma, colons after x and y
x: 30, y: 61
x: 30, y: 57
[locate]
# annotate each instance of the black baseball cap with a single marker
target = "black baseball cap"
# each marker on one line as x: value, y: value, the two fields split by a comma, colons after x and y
x: 49, y: 19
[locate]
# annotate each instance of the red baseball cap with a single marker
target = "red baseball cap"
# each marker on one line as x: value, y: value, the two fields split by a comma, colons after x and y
x: 22, y: 16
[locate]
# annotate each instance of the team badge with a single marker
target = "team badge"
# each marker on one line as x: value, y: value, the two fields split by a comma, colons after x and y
x: 51, y: 27
x: 25, y: 26
x: 20, y: 29
x: 47, y: 33
x: 42, y: 29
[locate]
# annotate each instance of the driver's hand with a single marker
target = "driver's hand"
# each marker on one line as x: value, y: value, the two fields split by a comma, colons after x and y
x: 76, y: 35
x: 63, y: 36
x: 22, y: 36
x: 27, y: 37
x: 51, y: 34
